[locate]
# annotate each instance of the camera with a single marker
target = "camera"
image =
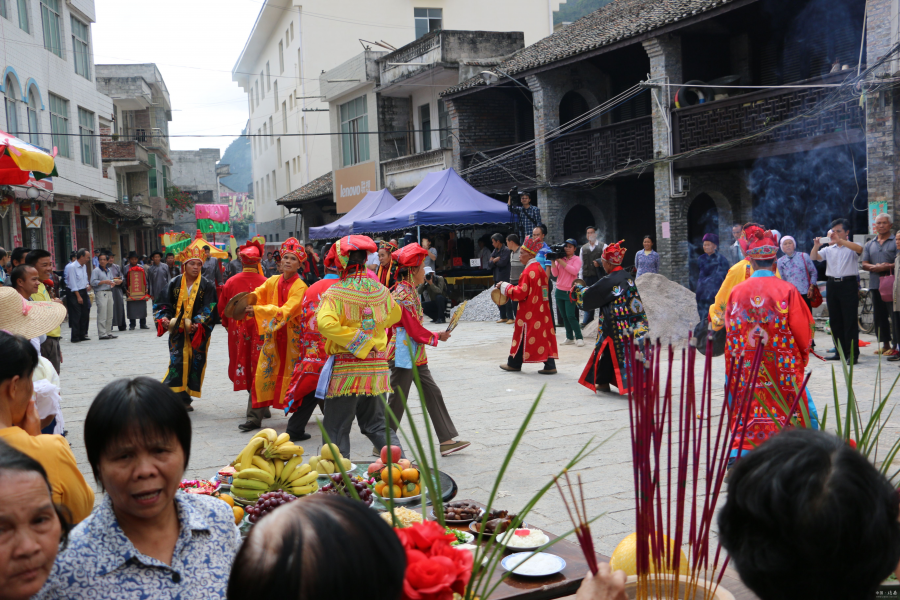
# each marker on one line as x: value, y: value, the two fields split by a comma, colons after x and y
x: 556, y: 251
x: 429, y: 277
x: 514, y: 192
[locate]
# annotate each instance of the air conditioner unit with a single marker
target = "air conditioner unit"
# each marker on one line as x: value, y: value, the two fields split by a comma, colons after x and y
x: 682, y: 184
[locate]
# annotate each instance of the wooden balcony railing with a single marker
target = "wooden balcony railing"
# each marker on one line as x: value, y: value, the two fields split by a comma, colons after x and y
x: 601, y: 150
x: 499, y: 176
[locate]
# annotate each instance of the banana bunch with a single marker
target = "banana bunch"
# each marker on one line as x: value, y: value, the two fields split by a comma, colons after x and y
x: 326, y: 464
x: 270, y: 462
x: 297, y: 478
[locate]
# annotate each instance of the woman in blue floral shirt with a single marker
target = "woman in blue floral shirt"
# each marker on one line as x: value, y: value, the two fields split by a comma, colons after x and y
x: 797, y: 268
x: 146, y: 539
x: 646, y: 260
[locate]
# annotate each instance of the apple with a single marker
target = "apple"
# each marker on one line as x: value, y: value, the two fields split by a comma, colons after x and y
x: 404, y: 464
x: 375, y: 467
x: 395, y: 454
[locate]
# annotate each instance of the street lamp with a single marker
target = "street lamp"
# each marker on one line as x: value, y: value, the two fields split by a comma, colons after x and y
x: 32, y: 193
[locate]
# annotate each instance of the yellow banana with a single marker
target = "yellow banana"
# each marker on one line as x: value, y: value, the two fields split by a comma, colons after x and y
x: 268, y: 433
x: 260, y: 463
x: 304, y: 480
x: 281, y: 439
x: 258, y: 474
x: 299, y: 472
x: 292, y: 464
x: 249, y: 484
x: 303, y: 490
x: 248, y: 452
x: 279, y: 467
x: 246, y: 494
x: 289, y: 453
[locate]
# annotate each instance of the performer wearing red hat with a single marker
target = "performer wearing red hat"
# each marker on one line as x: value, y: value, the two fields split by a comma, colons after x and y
x: 534, y: 338
x: 243, y: 336
x: 354, y: 316
x: 407, y: 347
x: 276, y: 311
x: 622, y: 317
x: 766, y: 310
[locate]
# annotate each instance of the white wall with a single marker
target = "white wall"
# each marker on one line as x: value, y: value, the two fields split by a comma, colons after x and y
x: 24, y: 54
x: 327, y: 33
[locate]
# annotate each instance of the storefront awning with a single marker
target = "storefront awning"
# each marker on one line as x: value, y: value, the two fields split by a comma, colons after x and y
x: 374, y: 203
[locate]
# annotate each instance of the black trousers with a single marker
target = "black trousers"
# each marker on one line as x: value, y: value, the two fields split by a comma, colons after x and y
x: 589, y: 314
x: 79, y: 315
x: 895, y: 324
x: 842, y: 298
x: 298, y: 421
x: 882, y: 311
x: 436, y: 308
x: 516, y: 361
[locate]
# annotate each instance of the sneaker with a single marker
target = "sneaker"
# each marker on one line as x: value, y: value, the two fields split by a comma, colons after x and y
x: 579, y: 343
x: 448, y: 449
x: 568, y: 342
x: 894, y: 357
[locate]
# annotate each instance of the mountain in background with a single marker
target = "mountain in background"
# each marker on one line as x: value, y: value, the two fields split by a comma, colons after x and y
x: 237, y: 156
x: 573, y: 10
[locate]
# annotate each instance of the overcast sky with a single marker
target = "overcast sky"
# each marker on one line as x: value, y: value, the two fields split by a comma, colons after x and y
x: 195, y: 44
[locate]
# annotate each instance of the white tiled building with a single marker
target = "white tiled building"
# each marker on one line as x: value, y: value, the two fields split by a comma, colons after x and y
x: 50, y: 99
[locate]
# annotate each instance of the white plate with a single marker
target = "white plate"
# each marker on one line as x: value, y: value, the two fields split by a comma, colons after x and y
x: 468, y: 537
x: 507, y: 534
x: 542, y: 565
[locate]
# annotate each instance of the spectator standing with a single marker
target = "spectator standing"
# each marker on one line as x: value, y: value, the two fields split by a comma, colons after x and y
x: 842, y: 287
x: 79, y: 302
x: 515, y: 270
x: 526, y: 217
x: 500, y: 265
x: 735, y: 253
x: 311, y: 271
x: 434, y: 295
x: 18, y: 257
x: 484, y: 254
x: 174, y: 270
x: 4, y: 260
x: 158, y: 277
x: 96, y: 260
x: 211, y: 271
x: 25, y: 280
x: 102, y: 282
x: 895, y: 318
x: 797, y: 268
x: 43, y: 262
x: 233, y: 268
x: 878, y: 259
x: 590, y: 256
x: 712, y: 267
x: 646, y: 260
x: 565, y: 270
x: 431, y: 258
x: 118, y: 292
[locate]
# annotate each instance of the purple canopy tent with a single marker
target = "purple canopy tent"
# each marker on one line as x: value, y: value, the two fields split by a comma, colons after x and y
x: 441, y: 199
x: 372, y: 204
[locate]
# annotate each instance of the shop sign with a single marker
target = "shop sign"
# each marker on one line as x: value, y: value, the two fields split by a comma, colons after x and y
x: 352, y: 184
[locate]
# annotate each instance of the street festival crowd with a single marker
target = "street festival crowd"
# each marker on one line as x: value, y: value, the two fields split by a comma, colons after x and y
x: 343, y: 328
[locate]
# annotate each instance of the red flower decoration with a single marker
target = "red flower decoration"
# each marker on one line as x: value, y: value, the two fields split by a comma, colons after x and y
x: 434, y: 568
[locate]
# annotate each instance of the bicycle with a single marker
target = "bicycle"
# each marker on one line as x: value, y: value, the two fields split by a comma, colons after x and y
x: 866, y: 314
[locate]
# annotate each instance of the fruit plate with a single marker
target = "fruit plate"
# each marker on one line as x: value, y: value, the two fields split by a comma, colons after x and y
x: 455, y: 522
x: 504, y: 538
x: 473, y: 527
x: 354, y: 470
x: 540, y: 564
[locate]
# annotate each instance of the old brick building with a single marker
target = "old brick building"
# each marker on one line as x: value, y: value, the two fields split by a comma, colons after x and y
x: 679, y: 118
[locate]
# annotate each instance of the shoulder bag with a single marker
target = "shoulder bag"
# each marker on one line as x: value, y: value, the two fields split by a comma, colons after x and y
x: 886, y: 286
x: 816, y: 300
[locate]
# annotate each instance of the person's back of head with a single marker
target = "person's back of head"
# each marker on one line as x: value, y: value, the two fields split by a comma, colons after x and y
x: 807, y: 516
x: 320, y: 546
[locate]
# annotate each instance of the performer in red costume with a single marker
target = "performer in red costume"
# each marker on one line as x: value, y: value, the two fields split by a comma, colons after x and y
x: 769, y: 311
x: 534, y: 338
x: 243, y: 336
x: 301, y: 395
x: 407, y: 347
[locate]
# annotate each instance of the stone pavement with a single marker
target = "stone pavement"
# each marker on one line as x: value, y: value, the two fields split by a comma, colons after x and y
x: 487, y: 406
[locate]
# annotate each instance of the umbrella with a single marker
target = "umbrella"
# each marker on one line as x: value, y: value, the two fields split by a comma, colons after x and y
x: 18, y: 158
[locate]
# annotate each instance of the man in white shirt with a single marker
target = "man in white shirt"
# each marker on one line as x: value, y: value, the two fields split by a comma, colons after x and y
x: 590, y: 255
x: 79, y: 302
x: 735, y: 254
x: 842, y: 288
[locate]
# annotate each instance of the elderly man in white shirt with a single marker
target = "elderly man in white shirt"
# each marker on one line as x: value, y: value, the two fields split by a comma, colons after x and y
x: 842, y: 287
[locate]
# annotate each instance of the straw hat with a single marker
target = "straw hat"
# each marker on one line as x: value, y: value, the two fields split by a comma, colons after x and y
x: 28, y: 319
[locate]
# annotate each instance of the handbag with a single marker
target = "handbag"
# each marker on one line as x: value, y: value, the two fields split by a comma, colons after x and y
x: 816, y: 300
x: 886, y: 286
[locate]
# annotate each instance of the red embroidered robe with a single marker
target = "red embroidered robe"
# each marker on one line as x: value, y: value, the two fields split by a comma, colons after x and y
x: 534, y: 323
x: 764, y: 309
x: 243, y: 336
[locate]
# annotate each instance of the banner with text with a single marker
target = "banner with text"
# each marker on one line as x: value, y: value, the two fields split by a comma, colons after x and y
x: 351, y: 184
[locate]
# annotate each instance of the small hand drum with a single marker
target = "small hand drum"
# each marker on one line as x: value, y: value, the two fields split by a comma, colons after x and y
x: 498, y: 297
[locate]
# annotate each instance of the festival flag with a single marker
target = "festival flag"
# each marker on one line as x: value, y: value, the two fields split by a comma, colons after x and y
x: 212, y: 218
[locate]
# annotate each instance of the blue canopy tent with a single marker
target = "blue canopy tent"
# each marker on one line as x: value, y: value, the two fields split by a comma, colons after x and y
x: 441, y: 199
x: 372, y: 204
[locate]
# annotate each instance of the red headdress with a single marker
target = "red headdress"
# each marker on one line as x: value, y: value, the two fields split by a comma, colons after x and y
x: 251, y: 253
x: 411, y: 255
x: 293, y: 246
x: 748, y: 234
x: 762, y: 245
x: 532, y: 245
x: 614, y: 254
x: 347, y: 244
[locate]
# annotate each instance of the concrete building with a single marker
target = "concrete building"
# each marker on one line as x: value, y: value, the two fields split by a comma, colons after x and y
x: 195, y: 172
x: 136, y: 156
x: 51, y: 101
x: 292, y: 43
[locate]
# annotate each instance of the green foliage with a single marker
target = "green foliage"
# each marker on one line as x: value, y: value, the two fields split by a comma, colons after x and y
x: 575, y: 9
x: 240, y: 228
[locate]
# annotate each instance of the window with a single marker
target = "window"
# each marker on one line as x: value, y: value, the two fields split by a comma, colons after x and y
x: 251, y: 100
x: 268, y: 188
x: 292, y: 31
x: 290, y: 96
x: 287, y: 174
x: 50, y: 12
x: 22, y: 5
x: 86, y: 131
x: 59, y: 125
x: 12, y: 117
x: 120, y: 187
x: 265, y: 133
x: 425, y: 120
x: 271, y: 127
x: 34, y: 128
x: 262, y: 78
x: 276, y: 237
x: 268, y: 77
x: 293, y: 165
x: 274, y: 185
x: 257, y: 93
x: 152, y: 175
x: 165, y: 179
x: 5, y: 14
x: 444, y: 125
x: 284, y: 117
x: 276, y: 95
x: 427, y: 20
x: 299, y: 67
x: 281, y: 56
x: 278, y: 143
x: 354, y: 147
x: 81, y: 48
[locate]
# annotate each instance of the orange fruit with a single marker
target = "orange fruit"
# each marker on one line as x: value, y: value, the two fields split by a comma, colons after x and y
x: 395, y: 473
x: 379, y: 487
x: 238, y: 514
x: 227, y: 499
x: 410, y: 489
x: 411, y: 475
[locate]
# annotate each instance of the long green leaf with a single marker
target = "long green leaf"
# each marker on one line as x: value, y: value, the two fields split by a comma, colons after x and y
x: 336, y: 452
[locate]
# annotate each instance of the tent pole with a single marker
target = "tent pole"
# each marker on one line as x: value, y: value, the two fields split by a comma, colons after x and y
x: 419, y: 233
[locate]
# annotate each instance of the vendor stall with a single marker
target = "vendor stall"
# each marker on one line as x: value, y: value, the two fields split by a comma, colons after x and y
x: 373, y: 204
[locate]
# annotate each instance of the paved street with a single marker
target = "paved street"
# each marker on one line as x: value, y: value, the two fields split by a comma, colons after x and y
x: 487, y: 405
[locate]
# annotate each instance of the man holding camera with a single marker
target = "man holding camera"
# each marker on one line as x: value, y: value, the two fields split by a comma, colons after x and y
x: 527, y: 216
x: 434, y: 295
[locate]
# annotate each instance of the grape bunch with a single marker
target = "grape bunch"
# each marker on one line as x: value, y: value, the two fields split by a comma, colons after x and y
x: 267, y: 503
x: 360, y: 484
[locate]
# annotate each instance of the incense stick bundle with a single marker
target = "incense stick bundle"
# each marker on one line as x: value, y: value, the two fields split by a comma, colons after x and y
x: 581, y: 524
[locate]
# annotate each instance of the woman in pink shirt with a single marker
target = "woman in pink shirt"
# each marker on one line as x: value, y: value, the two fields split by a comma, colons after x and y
x: 566, y: 271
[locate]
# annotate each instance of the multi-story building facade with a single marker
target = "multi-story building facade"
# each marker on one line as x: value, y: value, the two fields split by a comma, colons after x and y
x: 136, y: 156
x: 195, y: 172
x: 50, y: 100
x: 292, y: 43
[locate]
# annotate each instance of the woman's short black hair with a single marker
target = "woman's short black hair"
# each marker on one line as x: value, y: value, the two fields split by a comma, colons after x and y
x: 126, y: 407
x: 648, y: 237
x: 807, y: 516
x: 358, y: 257
x: 325, y: 546
x: 12, y: 459
x: 19, y: 357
